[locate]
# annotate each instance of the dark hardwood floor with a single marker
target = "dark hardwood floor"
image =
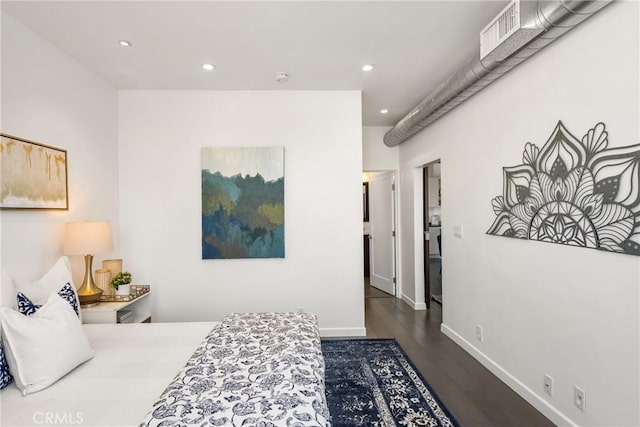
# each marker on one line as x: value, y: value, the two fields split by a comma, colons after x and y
x: 474, y: 395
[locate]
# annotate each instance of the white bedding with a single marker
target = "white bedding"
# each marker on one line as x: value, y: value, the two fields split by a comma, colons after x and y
x: 132, y: 367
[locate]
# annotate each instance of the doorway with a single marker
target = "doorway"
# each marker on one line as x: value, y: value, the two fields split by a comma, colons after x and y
x: 432, y: 231
x: 379, y: 231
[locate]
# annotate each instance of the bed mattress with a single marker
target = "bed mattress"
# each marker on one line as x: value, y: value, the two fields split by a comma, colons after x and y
x: 132, y: 366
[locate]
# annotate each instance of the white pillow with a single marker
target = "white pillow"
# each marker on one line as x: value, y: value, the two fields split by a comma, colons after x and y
x: 45, y: 346
x: 7, y: 291
x: 52, y: 281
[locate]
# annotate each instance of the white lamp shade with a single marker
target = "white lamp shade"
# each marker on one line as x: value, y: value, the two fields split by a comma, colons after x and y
x: 87, y: 238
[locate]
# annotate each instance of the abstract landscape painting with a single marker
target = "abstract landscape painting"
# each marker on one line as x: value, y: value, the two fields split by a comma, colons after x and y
x: 242, y: 202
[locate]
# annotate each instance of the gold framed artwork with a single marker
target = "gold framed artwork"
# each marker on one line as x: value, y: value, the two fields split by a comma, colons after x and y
x: 32, y: 175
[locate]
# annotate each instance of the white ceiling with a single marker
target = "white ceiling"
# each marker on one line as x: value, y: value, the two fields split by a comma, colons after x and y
x: 414, y: 45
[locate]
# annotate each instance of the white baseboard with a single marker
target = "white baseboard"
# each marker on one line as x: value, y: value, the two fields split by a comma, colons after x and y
x: 343, y: 332
x: 413, y: 304
x: 516, y: 385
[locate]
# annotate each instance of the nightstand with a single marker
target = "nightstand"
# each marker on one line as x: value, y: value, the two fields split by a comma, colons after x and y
x: 110, y: 312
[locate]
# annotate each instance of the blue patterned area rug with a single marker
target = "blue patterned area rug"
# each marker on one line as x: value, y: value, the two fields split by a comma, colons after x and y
x: 373, y: 383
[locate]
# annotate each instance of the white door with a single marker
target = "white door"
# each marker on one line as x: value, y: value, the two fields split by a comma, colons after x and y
x: 381, y: 223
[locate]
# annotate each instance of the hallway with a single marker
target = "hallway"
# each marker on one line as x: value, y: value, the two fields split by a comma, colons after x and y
x: 473, y: 394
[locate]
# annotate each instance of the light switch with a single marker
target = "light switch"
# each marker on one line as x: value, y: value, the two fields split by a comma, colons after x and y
x: 457, y: 230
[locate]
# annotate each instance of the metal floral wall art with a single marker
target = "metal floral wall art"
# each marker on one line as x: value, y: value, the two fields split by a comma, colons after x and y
x: 573, y: 192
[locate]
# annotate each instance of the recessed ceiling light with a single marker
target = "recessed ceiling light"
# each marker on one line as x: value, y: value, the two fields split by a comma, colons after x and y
x: 367, y: 67
x: 384, y: 111
x: 209, y: 67
x: 125, y: 43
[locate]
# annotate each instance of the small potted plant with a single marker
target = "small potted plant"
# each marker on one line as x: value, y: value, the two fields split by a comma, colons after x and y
x: 121, y: 283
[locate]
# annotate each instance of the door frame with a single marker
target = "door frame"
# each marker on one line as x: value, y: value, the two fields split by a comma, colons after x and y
x: 425, y: 229
x: 421, y: 299
x: 395, y: 226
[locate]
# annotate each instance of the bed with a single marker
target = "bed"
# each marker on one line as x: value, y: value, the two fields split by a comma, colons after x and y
x: 252, y: 369
x: 259, y: 369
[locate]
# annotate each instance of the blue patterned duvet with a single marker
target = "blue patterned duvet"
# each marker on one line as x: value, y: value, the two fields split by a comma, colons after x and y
x: 257, y: 369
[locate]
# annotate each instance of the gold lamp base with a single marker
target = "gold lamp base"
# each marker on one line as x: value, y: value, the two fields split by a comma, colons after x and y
x: 89, y: 294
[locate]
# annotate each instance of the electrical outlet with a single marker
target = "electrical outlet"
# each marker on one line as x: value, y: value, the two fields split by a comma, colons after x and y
x: 580, y: 399
x: 548, y: 384
x: 300, y: 309
x: 479, y: 333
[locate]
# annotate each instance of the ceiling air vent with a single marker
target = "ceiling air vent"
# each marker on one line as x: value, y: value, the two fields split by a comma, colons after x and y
x: 520, y: 31
x: 499, y: 30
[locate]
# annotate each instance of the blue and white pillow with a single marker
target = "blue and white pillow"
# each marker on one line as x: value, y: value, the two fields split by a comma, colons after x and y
x: 40, y: 290
x: 5, y: 376
x: 27, y: 307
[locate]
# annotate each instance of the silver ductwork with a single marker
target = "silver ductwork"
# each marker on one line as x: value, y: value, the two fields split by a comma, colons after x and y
x: 542, y: 23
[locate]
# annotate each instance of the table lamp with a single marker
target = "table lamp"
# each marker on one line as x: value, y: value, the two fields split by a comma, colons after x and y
x: 88, y: 238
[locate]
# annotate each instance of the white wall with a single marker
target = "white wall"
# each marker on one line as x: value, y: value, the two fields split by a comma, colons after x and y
x: 375, y: 155
x: 49, y: 98
x: 161, y: 133
x: 570, y: 312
